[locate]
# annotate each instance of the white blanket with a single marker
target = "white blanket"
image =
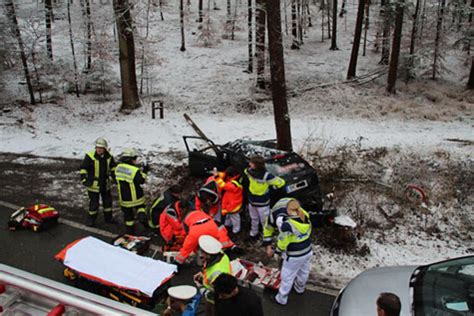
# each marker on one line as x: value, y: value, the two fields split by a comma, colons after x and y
x: 117, y: 265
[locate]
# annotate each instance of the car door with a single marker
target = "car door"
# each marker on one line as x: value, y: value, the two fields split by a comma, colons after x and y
x: 203, y: 156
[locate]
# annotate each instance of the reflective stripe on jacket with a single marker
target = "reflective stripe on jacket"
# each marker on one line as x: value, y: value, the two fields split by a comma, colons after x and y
x: 170, y: 222
x: 232, y: 197
x: 294, y: 237
x: 129, y: 180
x: 96, y: 170
x: 259, y: 186
x: 211, y: 272
x: 279, y: 209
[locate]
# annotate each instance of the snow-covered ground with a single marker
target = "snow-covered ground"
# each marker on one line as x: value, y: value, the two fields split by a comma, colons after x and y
x: 210, y: 85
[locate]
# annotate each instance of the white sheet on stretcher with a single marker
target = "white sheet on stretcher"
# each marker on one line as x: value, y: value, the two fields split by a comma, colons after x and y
x: 117, y: 265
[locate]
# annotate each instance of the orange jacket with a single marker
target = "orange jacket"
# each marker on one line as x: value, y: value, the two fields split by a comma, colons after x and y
x: 223, y: 237
x: 212, y: 188
x: 196, y: 223
x: 232, y: 197
x: 170, y: 222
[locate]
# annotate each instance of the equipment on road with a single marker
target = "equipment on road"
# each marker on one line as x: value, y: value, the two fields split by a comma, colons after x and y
x: 135, y: 244
x: 255, y: 276
x: 110, y: 271
x: 37, y: 217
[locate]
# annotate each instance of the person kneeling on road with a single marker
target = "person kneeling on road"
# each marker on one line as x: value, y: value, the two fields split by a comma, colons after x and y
x: 171, y: 221
x: 294, y: 244
x: 169, y: 196
x: 130, y: 177
x: 216, y: 262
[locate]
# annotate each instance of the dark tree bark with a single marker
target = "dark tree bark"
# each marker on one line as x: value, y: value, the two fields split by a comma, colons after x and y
x: 334, y: 26
x: 385, y: 13
x: 366, y: 26
x: 294, y: 26
x: 439, y: 26
x: 71, y: 39
x: 470, y: 83
x: 181, y: 22
x: 351, y: 73
x: 123, y: 17
x: 414, y: 27
x: 343, y: 9
x: 200, y: 9
x: 397, y: 39
x: 277, y: 69
x: 86, y: 12
x: 229, y: 12
x: 328, y: 11
x: 250, y: 30
x: 147, y: 31
x: 48, y: 21
x: 260, y: 42
x: 11, y: 13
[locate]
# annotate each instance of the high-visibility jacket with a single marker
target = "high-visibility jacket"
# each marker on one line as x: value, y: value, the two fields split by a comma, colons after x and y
x: 232, y: 197
x: 96, y: 171
x: 196, y: 224
x: 158, y: 206
x: 170, y: 222
x: 294, y: 237
x: 259, y: 186
x: 129, y: 180
x: 224, y: 237
x: 211, y: 189
x: 270, y: 227
x: 211, y: 270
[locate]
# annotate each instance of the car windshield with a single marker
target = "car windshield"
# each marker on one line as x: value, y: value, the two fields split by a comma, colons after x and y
x: 446, y: 288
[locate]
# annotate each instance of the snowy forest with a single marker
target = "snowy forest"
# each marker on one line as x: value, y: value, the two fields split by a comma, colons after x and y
x: 375, y: 95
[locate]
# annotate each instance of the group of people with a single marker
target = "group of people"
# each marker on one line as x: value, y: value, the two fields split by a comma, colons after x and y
x: 203, y: 222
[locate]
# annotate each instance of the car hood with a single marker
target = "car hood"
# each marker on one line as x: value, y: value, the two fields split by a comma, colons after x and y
x: 360, y: 295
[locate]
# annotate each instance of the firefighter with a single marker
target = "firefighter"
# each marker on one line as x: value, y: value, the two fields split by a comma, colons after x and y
x: 232, y: 199
x: 196, y: 224
x: 96, y: 169
x: 294, y: 245
x: 170, y: 196
x: 259, y: 182
x: 216, y: 262
x: 171, y: 221
x: 130, y: 177
x: 209, y: 195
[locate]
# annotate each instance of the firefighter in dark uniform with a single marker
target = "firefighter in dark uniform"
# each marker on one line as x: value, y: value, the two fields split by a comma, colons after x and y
x: 168, y: 197
x: 96, y: 169
x: 130, y: 177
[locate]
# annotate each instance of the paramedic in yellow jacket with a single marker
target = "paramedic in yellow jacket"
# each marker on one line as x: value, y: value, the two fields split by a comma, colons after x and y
x: 96, y: 170
x: 259, y: 183
x: 293, y: 243
x: 130, y: 177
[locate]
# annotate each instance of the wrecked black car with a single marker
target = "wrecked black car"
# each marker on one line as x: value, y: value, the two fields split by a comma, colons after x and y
x: 301, y: 178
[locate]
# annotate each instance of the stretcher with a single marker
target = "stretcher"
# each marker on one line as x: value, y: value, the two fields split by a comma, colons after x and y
x: 114, y: 272
x: 255, y: 276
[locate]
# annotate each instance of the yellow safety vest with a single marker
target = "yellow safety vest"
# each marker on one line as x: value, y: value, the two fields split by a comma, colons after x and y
x: 126, y: 173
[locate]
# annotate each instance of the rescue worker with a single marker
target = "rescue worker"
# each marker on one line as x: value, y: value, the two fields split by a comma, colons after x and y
x: 178, y: 301
x: 216, y: 262
x: 294, y: 244
x: 171, y: 224
x: 209, y: 195
x: 170, y: 196
x: 130, y: 177
x: 259, y: 182
x: 96, y: 169
x: 196, y: 224
x: 232, y: 199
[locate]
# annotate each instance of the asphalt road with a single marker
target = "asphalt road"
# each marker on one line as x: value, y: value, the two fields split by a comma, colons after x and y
x: 34, y: 252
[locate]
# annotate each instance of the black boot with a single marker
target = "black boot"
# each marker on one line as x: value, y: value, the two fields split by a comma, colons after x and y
x: 90, y: 221
x: 109, y: 218
x: 130, y: 230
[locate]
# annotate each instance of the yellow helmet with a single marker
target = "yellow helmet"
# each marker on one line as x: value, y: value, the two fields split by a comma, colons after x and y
x: 129, y: 153
x: 101, y: 142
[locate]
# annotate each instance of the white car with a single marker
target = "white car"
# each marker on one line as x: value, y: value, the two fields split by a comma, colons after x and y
x: 438, y: 289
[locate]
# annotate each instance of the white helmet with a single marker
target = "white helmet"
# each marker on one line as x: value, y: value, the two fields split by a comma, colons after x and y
x: 182, y: 292
x: 129, y: 153
x: 101, y: 142
x: 209, y: 244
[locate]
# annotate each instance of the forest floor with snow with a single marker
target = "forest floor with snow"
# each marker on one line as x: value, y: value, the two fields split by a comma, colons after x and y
x: 367, y: 146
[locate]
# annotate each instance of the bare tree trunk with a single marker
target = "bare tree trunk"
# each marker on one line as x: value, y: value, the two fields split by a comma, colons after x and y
x: 470, y: 83
x: 334, y: 26
x: 181, y: 22
x: 328, y: 11
x: 300, y: 22
x: 234, y: 20
x: 423, y: 18
x: 161, y: 10
x: 123, y: 16
x: 308, y: 11
x: 71, y: 38
x: 277, y: 69
x: 86, y: 12
x: 10, y: 9
x: 200, y: 9
x: 229, y: 12
x: 351, y: 73
x: 250, y: 32
x: 468, y: 44
x: 366, y: 26
x: 260, y: 42
x: 414, y: 27
x: 322, y: 20
x: 48, y: 21
x: 343, y: 9
x: 385, y: 13
x: 294, y: 26
x: 439, y: 26
x: 397, y: 39
x: 147, y: 29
